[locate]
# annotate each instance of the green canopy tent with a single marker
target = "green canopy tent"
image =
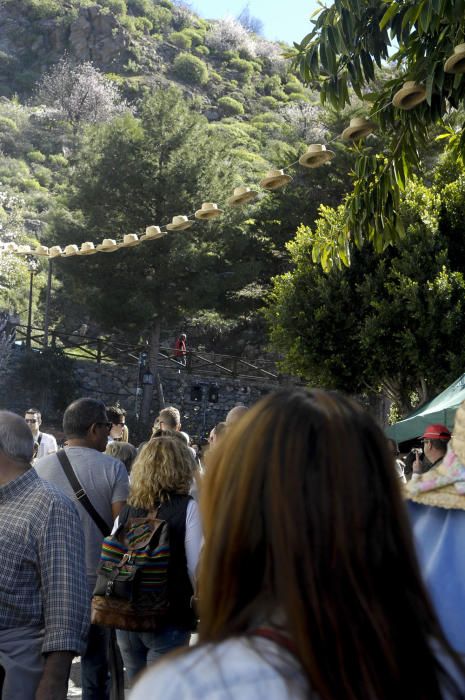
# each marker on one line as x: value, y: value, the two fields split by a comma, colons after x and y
x: 440, y: 410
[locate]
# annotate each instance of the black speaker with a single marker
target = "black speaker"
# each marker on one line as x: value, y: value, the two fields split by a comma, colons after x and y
x: 196, y: 393
x: 213, y: 394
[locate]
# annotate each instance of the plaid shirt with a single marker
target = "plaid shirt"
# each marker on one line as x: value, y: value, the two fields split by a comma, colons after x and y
x: 42, y: 567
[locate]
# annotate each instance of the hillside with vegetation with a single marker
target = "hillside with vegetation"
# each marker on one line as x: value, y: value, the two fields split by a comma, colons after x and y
x: 115, y: 115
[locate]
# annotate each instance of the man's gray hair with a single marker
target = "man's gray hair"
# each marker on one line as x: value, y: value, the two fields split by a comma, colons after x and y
x: 16, y: 440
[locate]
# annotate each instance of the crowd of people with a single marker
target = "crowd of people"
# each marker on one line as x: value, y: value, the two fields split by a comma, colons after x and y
x: 291, y: 545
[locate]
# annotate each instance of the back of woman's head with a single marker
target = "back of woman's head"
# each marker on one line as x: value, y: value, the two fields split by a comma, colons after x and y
x: 304, y: 522
x: 163, y: 467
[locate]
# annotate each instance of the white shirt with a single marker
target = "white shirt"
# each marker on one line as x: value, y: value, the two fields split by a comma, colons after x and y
x: 47, y: 445
x: 237, y: 669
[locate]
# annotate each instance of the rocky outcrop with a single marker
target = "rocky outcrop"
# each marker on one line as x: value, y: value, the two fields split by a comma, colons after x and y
x: 98, y: 37
x: 31, y: 44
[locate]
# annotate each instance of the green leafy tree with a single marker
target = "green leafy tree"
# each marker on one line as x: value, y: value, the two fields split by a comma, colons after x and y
x: 352, y: 40
x: 392, y: 322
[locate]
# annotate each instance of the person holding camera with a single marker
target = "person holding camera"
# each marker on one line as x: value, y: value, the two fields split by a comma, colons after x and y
x: 434, y: 439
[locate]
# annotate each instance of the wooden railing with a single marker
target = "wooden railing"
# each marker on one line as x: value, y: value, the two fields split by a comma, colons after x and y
x: 110, y: 351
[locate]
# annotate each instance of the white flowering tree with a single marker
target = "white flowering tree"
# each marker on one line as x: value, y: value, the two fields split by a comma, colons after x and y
x: 228, y: 34
x: 80, y: 94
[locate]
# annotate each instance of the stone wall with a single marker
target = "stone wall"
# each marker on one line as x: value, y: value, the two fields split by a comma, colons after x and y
x: 202, y: 400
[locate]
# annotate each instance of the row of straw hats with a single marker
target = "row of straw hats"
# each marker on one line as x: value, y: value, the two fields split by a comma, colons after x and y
x: 408, y: 97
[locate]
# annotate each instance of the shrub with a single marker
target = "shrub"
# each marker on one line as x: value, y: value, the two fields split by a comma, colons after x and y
x: 58, y: 160
x: 118, y: 7
x: 244, y: 67
x: 181, y: 40
x: 190, y: 69
x: 143, y: 25
x: 7, y: 125
x: 298, y: 97
x: 230, y: 107
x: 279, y: 94
x: 161, y: 19
x: 201, y: 50
x: 30, y: 183
x: 293, y: 86
x: 196, y: 37
x: 229, y: 55
x: 269, y: 102
x: 43, y: 175
x: 36, y: 157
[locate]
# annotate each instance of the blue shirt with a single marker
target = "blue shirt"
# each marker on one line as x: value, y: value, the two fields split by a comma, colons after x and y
x: 440, y: 541
x: 42, y: 565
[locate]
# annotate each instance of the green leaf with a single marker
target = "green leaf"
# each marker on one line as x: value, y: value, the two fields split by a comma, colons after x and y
x: 392, y: 10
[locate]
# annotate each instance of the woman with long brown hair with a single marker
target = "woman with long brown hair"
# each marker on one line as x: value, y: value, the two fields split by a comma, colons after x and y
x: 309, y: 585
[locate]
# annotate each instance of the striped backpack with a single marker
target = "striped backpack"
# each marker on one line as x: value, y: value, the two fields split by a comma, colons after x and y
x: 131, y: 592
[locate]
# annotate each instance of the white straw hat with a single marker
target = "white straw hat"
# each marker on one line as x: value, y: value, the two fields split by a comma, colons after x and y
x: 409, y: 96
x: 152, y: 232
x: 24, y: 249
x: 10, y: 247
x: 316, y: 154
x: 179, y: 223
x: 358, y: 128
x: 129, y: 240
x: 456, y: 62
x: 87, y: 248
x: 41, y: 250
x: 208, y: 211
x: 55, y: 251
x: 71, y: 250
x: 108, y: 245
x: 274, y: 179
x: 242, y: 195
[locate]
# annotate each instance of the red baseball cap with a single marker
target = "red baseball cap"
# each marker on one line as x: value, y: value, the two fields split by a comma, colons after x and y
x: 437, y: 431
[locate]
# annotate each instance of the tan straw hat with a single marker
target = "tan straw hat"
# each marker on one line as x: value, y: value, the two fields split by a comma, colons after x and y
x: 152, y: 232
x: 108, y: 245
x: 242, y: 195
x: 274, y: 179
x: 409, y: 96
x: 208, y: 211
x: 41, y: 250
x: 129, y: 240
x: 24, y: 249
x: 358, y: 128
x: 179, y: 223
x: 456, y: 62
x: 55, y: 251
x: 71, y: 250
x: 87, y: 248
x: 316, y: 154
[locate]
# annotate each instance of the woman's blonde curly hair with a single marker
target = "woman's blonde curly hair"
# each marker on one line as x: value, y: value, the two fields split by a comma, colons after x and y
x: 163, y: 467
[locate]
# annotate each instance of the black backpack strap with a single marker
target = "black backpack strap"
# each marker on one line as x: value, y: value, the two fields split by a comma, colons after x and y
x: 81, y: 494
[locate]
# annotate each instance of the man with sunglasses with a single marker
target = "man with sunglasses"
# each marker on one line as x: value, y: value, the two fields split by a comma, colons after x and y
x: 44, y: 443
x: 104, y: 480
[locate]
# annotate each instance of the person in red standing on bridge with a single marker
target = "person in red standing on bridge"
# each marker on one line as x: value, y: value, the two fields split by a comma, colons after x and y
x: 180, y: 349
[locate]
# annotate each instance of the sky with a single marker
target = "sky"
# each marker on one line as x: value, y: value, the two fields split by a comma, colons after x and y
x: 283, y: 20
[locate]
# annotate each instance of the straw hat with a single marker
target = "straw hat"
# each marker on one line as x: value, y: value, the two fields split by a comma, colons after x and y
x: 316, y: 155
x: 208, y: 211
x: 242, y: 195
x: 24, y: 249
x: 10, y: 247
x: 87, y: 248
x: 108, y: 245
x: 456, y: 62
x: 274, y: 179
x: 41, y: 250
x: 409, y: 96
x: 55, y: 251
x: 179, y: 223
x: 358, y: 128
x: 71, y: 250
x: 129, y: 240
x: 152, y: 232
